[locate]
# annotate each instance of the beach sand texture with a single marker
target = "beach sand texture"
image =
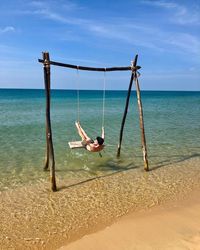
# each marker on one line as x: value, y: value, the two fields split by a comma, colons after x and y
x: 32, y: 217
x: 173, y: 226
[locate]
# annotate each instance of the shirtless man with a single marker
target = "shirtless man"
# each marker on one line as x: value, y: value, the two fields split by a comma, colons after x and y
x: 92, y: 146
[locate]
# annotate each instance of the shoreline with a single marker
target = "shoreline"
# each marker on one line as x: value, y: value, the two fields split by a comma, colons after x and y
x: 174, y: 225
x: 33, y: 217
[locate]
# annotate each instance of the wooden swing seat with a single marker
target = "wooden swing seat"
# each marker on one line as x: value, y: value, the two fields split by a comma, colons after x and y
x: 76, y: 144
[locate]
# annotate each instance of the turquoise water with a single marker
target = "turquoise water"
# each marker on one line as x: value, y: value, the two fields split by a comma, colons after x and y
x: 172, y: 126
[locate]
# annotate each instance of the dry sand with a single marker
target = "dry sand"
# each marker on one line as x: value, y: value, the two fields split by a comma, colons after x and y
x: 173, y: 226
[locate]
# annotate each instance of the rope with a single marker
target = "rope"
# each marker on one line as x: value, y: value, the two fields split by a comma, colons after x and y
x: 134, y: 70
x: 104, y: 95
x: 78, y: 96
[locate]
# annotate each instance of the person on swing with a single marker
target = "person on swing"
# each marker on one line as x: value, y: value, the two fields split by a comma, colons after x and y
x: 91, y: 145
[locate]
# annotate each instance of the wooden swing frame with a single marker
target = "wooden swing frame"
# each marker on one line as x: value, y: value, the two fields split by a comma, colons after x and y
x: 49, y: 156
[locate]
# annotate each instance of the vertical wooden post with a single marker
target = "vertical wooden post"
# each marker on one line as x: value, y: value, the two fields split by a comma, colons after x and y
x: 126, y: 109
x: 143, y: 139
x: 49, y: 146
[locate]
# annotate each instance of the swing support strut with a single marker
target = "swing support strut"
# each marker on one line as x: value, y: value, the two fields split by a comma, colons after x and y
x: 134, y: 77
x: 50, y: 159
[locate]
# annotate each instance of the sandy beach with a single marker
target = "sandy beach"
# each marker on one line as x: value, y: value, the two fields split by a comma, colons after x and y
x: 32, y: 217
x: 175, y: 225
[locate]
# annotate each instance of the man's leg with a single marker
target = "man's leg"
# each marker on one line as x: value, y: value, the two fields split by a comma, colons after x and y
x: 81, y: 132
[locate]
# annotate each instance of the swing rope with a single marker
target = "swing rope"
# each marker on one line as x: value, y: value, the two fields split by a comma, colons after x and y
x: 78, y: 96
x: 79, y: 144
x: 104, y: 98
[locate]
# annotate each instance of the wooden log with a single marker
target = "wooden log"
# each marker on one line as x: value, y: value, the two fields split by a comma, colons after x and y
x: 126, y: 107
x: 46, y: 165
x: 46, y: 69
x: 143, y: 138
x: 49, y: 150
x: 65, y: 65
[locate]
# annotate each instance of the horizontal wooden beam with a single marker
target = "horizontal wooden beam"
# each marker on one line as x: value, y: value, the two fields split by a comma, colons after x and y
x: 91, y: 68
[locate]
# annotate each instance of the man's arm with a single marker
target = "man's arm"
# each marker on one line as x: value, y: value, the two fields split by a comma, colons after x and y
x: 103, y: 133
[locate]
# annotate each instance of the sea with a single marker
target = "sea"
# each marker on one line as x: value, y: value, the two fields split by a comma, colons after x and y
x: 171, y: 120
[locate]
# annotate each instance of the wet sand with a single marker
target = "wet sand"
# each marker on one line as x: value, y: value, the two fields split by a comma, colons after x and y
x: 173, y: 226
x: 32, y: 217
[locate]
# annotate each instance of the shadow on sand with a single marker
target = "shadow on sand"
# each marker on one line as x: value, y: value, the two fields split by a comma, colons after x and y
x: 118, y: 169
x: 173, y: 159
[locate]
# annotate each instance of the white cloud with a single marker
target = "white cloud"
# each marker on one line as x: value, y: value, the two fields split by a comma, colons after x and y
x: 160, y: 3
x: 185, y: 42
x: 141, y: 36
x: 44, y: 11
x: 133, y: 35
x: 66, y: 5
x: 37, y: 4
x: 127, y: 30
x: 180, y: 14
x: 7, y: 29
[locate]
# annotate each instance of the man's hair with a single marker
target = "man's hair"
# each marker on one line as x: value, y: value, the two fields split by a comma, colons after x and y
x: 100, y: 140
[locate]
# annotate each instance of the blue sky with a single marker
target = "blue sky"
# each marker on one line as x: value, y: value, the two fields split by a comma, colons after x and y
x: 165, y: 34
